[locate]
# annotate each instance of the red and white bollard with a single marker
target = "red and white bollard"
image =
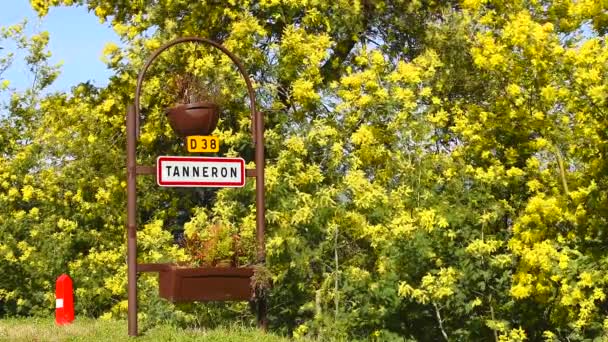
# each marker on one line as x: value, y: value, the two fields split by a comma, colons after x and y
x: 64, y: 300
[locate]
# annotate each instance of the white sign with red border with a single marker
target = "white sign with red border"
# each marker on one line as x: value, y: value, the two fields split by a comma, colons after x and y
x: 210, y: 172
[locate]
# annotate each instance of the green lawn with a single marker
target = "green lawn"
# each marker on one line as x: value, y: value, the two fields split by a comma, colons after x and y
x: 90, y: 330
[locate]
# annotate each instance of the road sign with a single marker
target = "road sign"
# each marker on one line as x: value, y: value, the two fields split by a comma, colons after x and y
x: 210, y: 172
x: 203, y: 143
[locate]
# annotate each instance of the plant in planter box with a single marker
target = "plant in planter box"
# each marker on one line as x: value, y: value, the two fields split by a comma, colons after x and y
x: 216, y: 246
x: 198, y: 105
x: 212, y: 273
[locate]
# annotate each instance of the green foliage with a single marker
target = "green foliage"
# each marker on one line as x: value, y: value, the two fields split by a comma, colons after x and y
x: 84, y: 329
x: 435, y: 170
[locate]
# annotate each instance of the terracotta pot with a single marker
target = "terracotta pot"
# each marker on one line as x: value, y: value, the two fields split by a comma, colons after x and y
x: 180, y: 284
x: 198, y: 118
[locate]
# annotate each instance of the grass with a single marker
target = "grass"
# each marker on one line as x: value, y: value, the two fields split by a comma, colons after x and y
x: 91, y: 330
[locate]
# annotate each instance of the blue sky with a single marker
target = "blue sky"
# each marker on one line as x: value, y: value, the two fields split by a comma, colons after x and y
x: 76, y: 38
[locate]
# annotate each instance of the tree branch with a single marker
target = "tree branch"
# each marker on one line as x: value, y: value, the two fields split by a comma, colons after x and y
x: 336, y: 279
x: 440, y: 321
x: 331, y: 67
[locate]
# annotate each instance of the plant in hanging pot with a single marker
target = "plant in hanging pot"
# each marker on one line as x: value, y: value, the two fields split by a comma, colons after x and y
x: 198, y: 104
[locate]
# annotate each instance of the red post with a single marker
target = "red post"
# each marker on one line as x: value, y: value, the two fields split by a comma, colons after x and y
x: 64, y: 300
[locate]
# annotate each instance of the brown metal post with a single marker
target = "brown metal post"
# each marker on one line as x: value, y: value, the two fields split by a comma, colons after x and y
x: 131, y: 222
x: 260, y: 206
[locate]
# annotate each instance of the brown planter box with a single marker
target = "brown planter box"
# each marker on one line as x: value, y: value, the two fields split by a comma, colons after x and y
x: 179, y: 284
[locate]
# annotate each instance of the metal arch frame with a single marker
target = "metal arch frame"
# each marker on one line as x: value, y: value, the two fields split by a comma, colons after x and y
x: 133, y: 118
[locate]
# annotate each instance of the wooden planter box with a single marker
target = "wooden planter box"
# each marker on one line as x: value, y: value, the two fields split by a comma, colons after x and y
x: 182, y: 284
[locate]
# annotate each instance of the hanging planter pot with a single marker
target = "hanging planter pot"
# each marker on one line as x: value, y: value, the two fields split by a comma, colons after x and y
x: 199, y: 118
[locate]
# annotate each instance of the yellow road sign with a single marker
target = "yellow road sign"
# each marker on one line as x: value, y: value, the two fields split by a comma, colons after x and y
x: 203, y: 143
